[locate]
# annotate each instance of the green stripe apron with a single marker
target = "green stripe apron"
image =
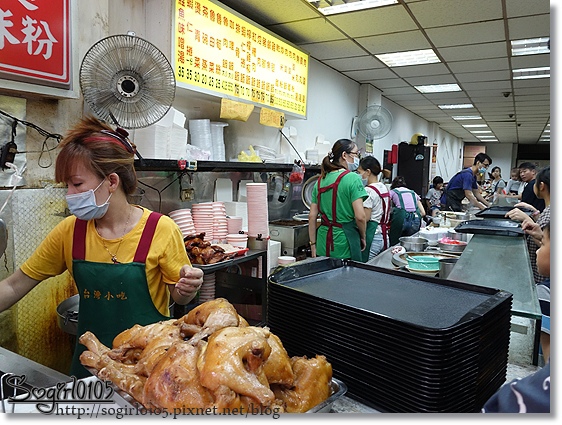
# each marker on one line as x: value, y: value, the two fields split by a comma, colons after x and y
x: 113, y: 297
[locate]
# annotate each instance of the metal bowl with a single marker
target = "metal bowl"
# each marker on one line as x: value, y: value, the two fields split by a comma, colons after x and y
x: 415, y: 244
x: 453, y: 247
x: 67, y: 312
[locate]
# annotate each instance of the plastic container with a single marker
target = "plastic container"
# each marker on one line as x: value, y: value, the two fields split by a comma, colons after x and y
x: 424, y: 263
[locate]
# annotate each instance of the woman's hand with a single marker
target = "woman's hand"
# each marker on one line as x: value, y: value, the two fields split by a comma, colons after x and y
x: 516, y: 214
x: 533, y: 229
x: 189, y: 283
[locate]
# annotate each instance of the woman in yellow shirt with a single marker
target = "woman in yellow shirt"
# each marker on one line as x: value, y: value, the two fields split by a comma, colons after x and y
x: 126, y: 261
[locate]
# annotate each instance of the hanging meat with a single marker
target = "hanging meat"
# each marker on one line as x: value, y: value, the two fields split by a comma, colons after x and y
x: 209, y: 358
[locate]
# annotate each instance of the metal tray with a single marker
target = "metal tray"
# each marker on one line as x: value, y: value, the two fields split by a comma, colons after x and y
x: 491, y: 227
x: 497, y: 211
x: 338, y: 390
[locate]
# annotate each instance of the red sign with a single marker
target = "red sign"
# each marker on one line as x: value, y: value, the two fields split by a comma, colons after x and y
x: 35, y: 41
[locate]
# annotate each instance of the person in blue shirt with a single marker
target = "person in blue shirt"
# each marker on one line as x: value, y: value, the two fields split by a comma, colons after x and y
x: 463, y: 185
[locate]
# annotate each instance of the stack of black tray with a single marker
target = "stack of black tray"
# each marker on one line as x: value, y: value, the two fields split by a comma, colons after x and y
x: 400, y: 344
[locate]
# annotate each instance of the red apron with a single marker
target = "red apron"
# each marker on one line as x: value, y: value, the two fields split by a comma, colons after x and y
x: 324, y: 218
x: 385, y: 219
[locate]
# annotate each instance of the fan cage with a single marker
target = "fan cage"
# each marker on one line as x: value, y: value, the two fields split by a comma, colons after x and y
x: 127, y: 79
x: 375, y: 122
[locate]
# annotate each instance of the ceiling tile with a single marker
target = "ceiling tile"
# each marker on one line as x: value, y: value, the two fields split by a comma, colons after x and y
x: 469, y: 77
x: 308, y: 31
x: 529, y: 27
x: 381, y: 20
x: 438, y: 13
x: 354, y: 63
x: 524, y: 8
x: 267, y: 12
x: 480, y: 65
x: 474, y: 51
x: 388, y: 83
x: 530, y: 61
x: 369, y: 74
x: 333, y: 49
x: 401, y: 42
x: 458, y: 35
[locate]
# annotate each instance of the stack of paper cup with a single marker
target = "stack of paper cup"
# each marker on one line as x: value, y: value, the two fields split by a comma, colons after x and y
x: 217, y: 137
x: 200, y: 134
x: 239, y: 240
x: 258, y: 217
x: 203, y: 219
x: 234, y: 224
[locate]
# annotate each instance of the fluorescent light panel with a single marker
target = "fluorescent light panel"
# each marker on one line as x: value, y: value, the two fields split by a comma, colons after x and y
x: 529, y: 73
x: 351, y: 7
x: 457, y: 106
x: 530, y: 46
x: 438, y: 88
x: 474, y: 125
x: 466, y: 117
x: 413, y: 57
x: 481, y: 131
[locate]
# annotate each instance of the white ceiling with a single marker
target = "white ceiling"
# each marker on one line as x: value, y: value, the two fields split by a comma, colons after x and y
x: 471, y: 38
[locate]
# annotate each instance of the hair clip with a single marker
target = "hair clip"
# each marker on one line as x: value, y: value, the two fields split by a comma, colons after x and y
x: 330, y: 154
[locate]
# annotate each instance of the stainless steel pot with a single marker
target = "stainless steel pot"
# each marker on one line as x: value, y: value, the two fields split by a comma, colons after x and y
x: 451, y: 234
x: 414, y: 244
x: 67, y: 312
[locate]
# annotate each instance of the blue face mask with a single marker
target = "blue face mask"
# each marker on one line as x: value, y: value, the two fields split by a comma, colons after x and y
x: 364, y: 181
x: 352, y: 166
x: 483, y: 170
x: 83, y: 205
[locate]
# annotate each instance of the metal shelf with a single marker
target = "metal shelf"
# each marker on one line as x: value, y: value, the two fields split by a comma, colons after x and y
x: 217, y: 166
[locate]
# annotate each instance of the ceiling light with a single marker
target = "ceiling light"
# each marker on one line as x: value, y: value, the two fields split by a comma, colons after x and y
x: 465, y: 117
x: 486, y: 137
x: 413, y: 57
x: 438, y: 88
x: 474, y: 125
x: 528, y: 73
x: 457, y: 106
x: 530, y: 46
x: 481, y: 131
x: 340, y: 6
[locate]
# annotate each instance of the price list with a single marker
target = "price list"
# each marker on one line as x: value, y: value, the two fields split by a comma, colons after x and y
x: 216, y: 50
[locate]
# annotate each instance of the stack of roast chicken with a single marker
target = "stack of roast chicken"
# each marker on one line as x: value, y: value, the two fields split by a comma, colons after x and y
x: 202, y: 252
x: 209, y: 358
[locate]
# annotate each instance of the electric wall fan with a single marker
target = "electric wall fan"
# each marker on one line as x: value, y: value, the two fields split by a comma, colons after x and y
x: 374, y: 122
x: 128, y: 81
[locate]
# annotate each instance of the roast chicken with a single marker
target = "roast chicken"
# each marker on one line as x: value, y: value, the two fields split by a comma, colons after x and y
x: 209, y: 358
x: 202, y: 252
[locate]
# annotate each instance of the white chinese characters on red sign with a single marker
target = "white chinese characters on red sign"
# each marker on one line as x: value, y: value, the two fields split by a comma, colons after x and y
x: 35, y: 41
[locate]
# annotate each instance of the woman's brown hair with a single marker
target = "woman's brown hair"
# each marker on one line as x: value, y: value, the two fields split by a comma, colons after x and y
x: 96, y: 145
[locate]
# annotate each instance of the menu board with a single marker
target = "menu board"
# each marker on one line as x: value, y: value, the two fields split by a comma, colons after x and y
x: 217, y: 51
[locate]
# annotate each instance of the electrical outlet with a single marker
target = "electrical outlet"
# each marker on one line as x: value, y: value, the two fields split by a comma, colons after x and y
x: 187, y: 194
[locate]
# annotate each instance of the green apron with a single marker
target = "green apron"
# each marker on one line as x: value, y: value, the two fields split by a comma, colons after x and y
x: 370, y: 234
x: 113, y: 297
x: 350, y: 228
x: 398, y: 217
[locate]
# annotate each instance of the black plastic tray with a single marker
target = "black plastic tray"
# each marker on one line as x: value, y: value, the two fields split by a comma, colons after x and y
x: 491, y: 227
x: 499, y: 212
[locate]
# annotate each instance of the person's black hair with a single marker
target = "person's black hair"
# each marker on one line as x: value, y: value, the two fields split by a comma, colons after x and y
x: 527, y: 166
x: 399, y: 181
x: 481, y: 157
x: 494, y: 169
x: 331, y: 162
x: 543, y: 176
x: 371, y: 163
x: 437, y: 180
